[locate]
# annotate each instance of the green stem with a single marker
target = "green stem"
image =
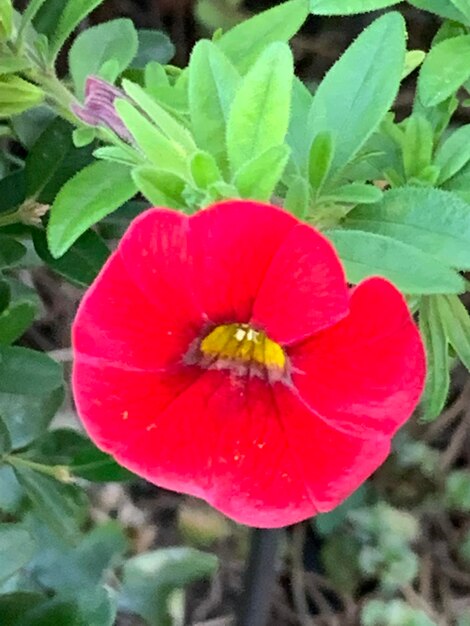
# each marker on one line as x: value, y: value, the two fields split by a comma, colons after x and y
x: 59, y: 472
x: 260, y: 577
x: 10, y: 218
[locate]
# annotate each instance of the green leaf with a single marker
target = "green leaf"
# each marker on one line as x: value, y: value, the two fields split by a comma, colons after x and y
x: 413, y: 59
x: 15, y: 321
x: 85, y: 199
x: 300, y: 107
x: 11, y: 494
x: 12, y: 192
x: 435, y: 221
x: 114, y: 40
x: 437, y: 358
x: 257, y: 179
x: 348, y: 7
x: 53, y: 502
x: 5, y: 295
x: 15, y: 605
x: 149, y: 579
x: 298, y: 197
x: 213, y: 83
x: 457, y: 490
x: 453, y: 154
x: 443, y: 8
x: 411, y: 270
x: 11, y: 251
x: 354, y: 193
x: 166, y: 123
x: 16, y: 548
x: 152, y: 141
x: 454, y: 55
x: 357, y: 92
x: 5, y: 439
x: 204, y: 170
x: 463, y: 7
x: 243, y: 43
x: 153, y: 46
x: 160, y: 187
x: 11, y: 65
x: 260, y: 112
x: 17, y: 95
x: 417, y: 147
x: 81, y: 263
x: 320, y: 159
x: 456, y: 322
x: 73, y: 13
x: 25, y: 371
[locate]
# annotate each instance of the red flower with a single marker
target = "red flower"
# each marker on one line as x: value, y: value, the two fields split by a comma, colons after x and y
x: 222, y: 355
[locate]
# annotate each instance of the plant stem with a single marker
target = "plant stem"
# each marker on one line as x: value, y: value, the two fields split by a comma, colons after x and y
x: 260, y: 576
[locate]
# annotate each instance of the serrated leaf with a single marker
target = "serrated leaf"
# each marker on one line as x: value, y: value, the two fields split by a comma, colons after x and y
x: 257, y: 179
x: 367, y: 254
x: 452, y: 54
x: 85, y: 199
x: 243, y: 43
x: 435, y: 221
x: 352, y: 109
x: 437, y: 359
x: 259, y: 116
x: 348, y: 7
x: 114, y: 40
x: 456, y: 322
x: 453, y: 154
x: 213, y: 83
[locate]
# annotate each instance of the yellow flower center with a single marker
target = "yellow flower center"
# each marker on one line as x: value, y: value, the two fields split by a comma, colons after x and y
x: 240, y: 342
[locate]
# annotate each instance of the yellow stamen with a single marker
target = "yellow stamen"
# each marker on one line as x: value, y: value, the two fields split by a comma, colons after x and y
x: 240, y: 342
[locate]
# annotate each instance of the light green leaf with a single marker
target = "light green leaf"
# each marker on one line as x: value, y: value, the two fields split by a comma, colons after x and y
x: 114, y: 40
x: 348, y: 7
x: 443, y: 8
x: 6, y: 19
x: 437, y: 358
x: 412, y: 271
x: 354, y: 193
x: 298, y: 197
x: 160, y: 187
x: 243, y: 43
x: 204, y: 170
x: 74, y: 12
x: 454, y: 153
x: 456, y: 321
x: 463, y: 7
x: 257, y: 179
x: 451, y: 54
x: 153, y: 46
x: 85, y: 199
x: 320, y: 159
x: 413, y: 59
x: 16, y: 548
x: 213, y: 83
x: 417, y: 146
x: 164, y: 121
x: 17, y: 95
x: 260, y: 112
x: 11, y: 65
x: 300, y: 107
x: 435, y: 221
x: 154, y: 144
x: 357, y: 92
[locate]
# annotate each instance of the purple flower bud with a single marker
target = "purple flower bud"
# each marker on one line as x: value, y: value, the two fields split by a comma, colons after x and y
x: 99, y: 109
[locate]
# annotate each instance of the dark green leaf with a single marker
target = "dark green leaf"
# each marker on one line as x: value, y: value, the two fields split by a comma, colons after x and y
x: 5, y: 295
x: 11, y: 251
x: 30, y: 125
x: 452, y: 54
x: 411, y: 270
x: 115, y: 40
x: 83, y: 260
x: 14, y: 606
x: 456, y: 322
x: 55, y: 612
x: 243, y: 43
x: 89, y: 196
x: 15, y: 321
x: 435, y: 221
x: 5, y: 439
x: 25, y: 371
x: 12, y: 191
x: 11, y: 494
x: 260, y: 112
x: 153, y: 46
x: 16, y: 548
x: 357, y: 92
x: 437, y: 357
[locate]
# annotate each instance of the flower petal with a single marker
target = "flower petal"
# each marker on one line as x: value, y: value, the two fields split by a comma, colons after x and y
x: 231, y: 246
x: 304, y: 289
x: 117, y: 323
x: 367, y: 372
